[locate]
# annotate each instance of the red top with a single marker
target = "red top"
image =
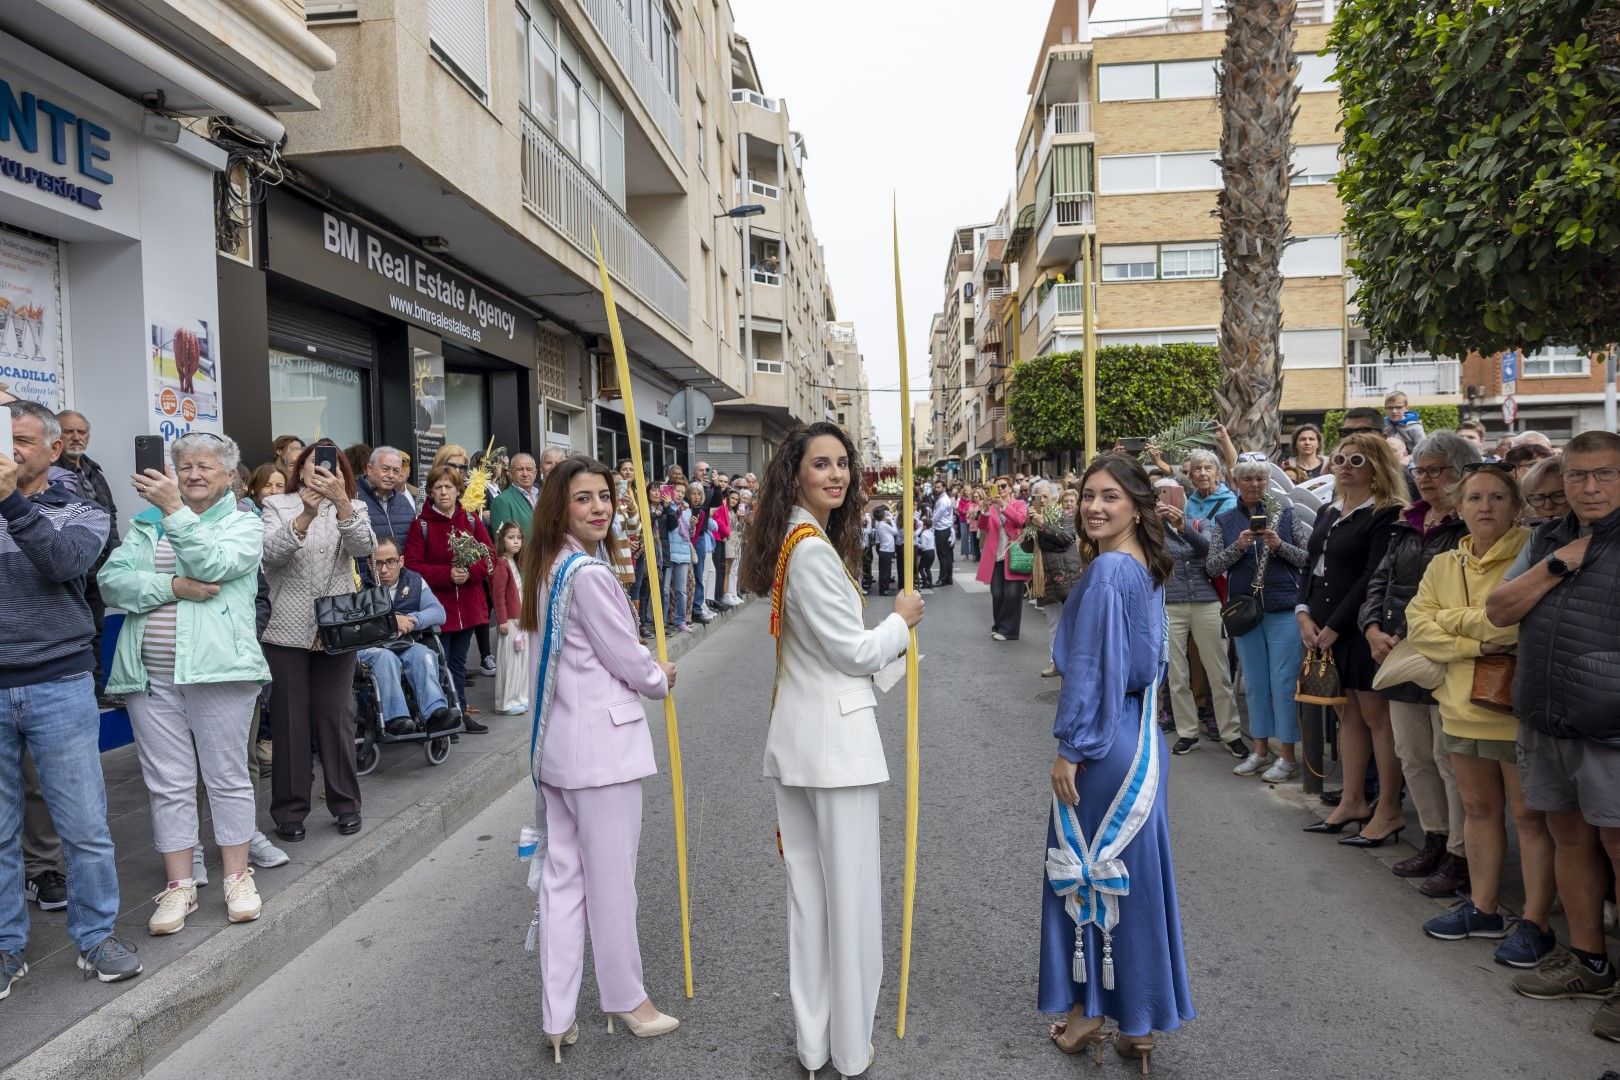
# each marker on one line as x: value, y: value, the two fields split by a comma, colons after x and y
x: 504, y: 589
x: 427, y: 551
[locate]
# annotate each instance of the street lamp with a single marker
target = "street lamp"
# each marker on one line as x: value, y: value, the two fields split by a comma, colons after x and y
x: 746, y: 211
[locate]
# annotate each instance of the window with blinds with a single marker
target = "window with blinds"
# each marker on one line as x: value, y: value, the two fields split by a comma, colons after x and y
x: 458, y: 31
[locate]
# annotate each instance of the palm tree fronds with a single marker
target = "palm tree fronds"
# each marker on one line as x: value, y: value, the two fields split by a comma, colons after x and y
x: 1194, y: 432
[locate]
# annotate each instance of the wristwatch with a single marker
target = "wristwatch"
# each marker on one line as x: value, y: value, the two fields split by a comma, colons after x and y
x: 1557, y: 567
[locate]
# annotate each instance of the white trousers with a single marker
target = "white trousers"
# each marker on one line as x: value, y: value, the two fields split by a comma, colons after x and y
x: 835, y: 920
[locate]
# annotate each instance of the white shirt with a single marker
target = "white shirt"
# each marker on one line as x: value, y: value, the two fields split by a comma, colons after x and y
x: 944, y: 511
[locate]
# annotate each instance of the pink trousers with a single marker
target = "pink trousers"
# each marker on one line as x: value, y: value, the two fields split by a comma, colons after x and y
x: 589, y: 878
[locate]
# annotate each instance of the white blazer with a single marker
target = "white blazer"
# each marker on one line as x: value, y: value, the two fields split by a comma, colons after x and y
x: 824, y: 731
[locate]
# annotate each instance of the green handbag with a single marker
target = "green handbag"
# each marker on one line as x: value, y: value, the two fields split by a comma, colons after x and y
x: 1021, y: 560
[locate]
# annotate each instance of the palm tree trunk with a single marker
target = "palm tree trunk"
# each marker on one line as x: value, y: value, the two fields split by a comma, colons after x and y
x: 1258, y: 95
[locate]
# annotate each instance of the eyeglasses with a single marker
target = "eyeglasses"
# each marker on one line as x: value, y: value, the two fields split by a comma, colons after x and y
x: 1355, y: 461
x: 1430, y: 472
x: 1548, y: 501
x: 384, y: 563
x: 1577, y: 477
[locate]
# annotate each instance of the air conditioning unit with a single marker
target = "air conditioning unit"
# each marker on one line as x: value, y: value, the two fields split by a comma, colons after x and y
x: 992, y: 275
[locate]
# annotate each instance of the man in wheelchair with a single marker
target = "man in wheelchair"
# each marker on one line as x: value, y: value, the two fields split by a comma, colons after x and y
x: 416, y: 609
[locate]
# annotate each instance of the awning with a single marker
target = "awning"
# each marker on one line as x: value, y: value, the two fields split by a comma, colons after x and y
x: 1071, y: 169
x: 1023, y: 228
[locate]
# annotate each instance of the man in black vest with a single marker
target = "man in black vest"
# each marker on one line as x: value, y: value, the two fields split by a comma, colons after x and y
x: 1566, y: 694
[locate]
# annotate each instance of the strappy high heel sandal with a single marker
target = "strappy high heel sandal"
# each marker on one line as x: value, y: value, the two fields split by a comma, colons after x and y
x: 1135, y: 1046
x: 567, y: 1038
x: 1093, y: 1039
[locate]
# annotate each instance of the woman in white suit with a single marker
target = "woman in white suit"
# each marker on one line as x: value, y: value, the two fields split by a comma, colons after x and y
x: 823, y: 754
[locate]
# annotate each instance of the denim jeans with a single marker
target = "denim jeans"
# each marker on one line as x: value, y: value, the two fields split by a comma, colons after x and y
x: 701, y: 557
x: 420, y: 665
x: 62, y: 726
x: 675, y: 596
x: 1270, y: 656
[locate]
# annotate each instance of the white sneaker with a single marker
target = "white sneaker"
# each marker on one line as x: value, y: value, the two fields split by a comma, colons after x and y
x: 173, y: 905
x: 997, y: 635
x: 199, y: 869
x: 1252, y: 764
x: 261, y: 852
x: 1280, y: 772
x: 242, y: 902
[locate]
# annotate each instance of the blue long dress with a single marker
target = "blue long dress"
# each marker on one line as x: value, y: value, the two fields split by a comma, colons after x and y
x: 1109, y: 649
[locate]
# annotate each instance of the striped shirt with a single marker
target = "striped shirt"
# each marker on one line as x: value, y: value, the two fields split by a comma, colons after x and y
x: 158, y: 641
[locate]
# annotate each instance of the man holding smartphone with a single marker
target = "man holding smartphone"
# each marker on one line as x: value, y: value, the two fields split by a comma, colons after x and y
x: 48, y: 541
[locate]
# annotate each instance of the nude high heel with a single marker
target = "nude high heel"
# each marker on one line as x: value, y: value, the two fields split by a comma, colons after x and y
x: 1094, y: 1038
x: 1135, y: 1046
x: 661, y: 1024
x: 567, y: 1038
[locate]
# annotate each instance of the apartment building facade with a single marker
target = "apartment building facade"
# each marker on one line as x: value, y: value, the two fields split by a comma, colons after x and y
x: 958, y: 413
x: 851, y: 393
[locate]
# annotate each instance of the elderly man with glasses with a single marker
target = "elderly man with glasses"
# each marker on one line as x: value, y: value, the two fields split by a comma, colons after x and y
x: 415, y: 609
x: 1566, y: 693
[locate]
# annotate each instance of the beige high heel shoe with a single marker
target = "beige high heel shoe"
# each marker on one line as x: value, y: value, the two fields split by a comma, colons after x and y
x: 661, y: 1024
x: 567, y: 1038
x: 1077, y: 1044
x: 1135, y: 1046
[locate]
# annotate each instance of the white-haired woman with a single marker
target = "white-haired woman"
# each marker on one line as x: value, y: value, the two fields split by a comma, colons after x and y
x: 189, y: 666
x: 1052, y: 521
x: 1270, y: 653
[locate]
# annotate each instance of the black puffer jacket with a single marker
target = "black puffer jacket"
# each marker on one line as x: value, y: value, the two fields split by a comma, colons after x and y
x: 1060, y: 558
x: 1568, y: 679
x: 1396, y: 580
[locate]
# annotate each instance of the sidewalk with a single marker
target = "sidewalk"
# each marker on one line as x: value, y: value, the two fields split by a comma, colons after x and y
x: 57, y: 1024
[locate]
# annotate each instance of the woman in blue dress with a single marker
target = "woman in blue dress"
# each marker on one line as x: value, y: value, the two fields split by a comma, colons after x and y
x: 1109, y: 870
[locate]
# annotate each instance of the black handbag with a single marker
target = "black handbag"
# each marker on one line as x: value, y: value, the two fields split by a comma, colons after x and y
x: 1244, y: 612
x: 358, y: 620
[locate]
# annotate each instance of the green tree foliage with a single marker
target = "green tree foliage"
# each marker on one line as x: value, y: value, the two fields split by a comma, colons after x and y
x: 1434, y: 418
x: 1481, y: 181
x: 1140, y: 389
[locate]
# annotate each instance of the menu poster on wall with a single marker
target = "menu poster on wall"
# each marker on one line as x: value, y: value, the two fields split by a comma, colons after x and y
x: 183, y: 377
x: 31, y: 320
x: 427, y: 399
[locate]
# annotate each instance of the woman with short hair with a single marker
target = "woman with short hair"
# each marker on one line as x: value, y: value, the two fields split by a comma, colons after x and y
x: 1001, y: 518
x: 1210, y: 497
x: 1347, y: 544
x: 460, y: 588
x: 1270, y: 653
x: 1544, y: 497
x: 189, y: 667
x: 1424, y: 530
x: 312, y: 535
x: 1448, y: 625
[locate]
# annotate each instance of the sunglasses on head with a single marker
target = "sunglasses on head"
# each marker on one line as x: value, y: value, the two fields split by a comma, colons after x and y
x: 1253, y: 455
x: 1494, y: 466
x: 1355, y: 461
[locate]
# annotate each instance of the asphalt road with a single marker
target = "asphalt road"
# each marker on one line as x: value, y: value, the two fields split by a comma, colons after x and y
x: 1306, y: 958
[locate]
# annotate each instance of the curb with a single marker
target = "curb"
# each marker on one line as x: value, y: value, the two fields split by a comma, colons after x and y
x: 131, y: 1033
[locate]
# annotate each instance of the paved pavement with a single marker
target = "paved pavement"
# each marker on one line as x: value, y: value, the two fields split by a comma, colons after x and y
x: 1306, y: 958
x: 55, y: 1023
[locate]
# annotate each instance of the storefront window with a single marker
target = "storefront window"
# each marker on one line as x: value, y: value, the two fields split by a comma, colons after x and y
x: 317, y: 399
x: 464, y: 409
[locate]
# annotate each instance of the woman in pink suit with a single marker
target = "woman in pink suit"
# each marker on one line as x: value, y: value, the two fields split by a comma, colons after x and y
x: 590, y: 750
x: 1002, y: 519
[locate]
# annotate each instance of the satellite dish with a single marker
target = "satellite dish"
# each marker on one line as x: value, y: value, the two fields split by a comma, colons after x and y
x: 691, y: 411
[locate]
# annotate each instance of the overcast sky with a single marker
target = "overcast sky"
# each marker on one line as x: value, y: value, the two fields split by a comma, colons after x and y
x: 918, y: 101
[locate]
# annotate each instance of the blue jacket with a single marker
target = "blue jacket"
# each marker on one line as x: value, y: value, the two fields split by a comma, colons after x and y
x: 680, y: 539
x: 413, y: 597
x: 1279, y: 591
x: 1208, y: 508
x: 392, y: 517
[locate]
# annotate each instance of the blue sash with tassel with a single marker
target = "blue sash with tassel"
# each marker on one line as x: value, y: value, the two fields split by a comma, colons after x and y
x: 1090, y: 875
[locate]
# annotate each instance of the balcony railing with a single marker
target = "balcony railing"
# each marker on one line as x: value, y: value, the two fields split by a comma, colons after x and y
x: 754, y: 187
x: 1066, y: 118
x: 623, y: 41
x: 986, y: 302
x: 1417, y: 378
x: 757, y: 100
x: 1191, y: 20
x: 1067, y: 209
x: 562, y: 195
x: 1062, y: 300
x: 765, y: 277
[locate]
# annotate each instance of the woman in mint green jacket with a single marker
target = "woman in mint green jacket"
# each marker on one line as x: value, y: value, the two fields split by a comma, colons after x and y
x: 189, y: 664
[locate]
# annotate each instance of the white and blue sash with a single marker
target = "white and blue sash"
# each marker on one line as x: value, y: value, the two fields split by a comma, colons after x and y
x: 1091, y: 876
x: 555, y: 622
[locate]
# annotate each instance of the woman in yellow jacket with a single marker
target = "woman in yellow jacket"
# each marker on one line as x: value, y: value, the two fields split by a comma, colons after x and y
x: 1446, y: 623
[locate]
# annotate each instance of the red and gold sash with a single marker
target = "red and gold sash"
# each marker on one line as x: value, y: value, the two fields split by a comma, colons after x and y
x: 800, y: 532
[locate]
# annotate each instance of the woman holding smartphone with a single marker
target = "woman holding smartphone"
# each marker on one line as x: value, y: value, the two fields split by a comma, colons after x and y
x: 312, y: 535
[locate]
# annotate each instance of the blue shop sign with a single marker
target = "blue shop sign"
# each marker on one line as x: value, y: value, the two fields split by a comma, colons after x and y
x: 29, y: 121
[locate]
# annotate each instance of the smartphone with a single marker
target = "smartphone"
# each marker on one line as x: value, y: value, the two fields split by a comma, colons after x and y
x: 148, y: 453
x: 1134, y: 445
x: 1257, y: 523
x: 326, y: 457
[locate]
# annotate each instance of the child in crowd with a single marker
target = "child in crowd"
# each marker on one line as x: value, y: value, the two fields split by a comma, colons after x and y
x: 511, y: 665
x: 924, y: 530
x: 1399, y: 420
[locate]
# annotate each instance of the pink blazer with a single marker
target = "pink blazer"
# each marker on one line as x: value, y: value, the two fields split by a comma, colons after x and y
x: 1016, y: 512
x: 597, y: 733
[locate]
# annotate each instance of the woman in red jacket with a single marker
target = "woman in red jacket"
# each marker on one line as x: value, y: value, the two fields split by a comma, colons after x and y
x: 1002, y: 519
x: 460, y: 589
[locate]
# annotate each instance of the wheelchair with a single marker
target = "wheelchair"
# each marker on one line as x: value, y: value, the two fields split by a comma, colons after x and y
x: 369, y: 734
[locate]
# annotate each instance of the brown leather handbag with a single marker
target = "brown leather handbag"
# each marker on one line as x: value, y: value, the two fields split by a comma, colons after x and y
x: 1493, y: 675
x: 1319, y: 680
